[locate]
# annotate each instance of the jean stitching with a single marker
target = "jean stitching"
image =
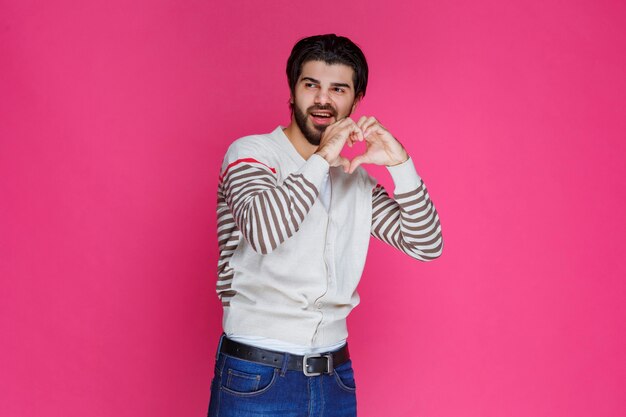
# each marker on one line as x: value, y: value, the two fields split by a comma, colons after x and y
x: 219, y: 390
x: 255, y: 393
x: 342, y: 385
x: 309, y: 395
x: 217, y: 405
x: 232, y: 373
x: 322, y: 395
x: 220, y: 365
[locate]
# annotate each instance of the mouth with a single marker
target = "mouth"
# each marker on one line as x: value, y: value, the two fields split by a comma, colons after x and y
x: 322, y: 117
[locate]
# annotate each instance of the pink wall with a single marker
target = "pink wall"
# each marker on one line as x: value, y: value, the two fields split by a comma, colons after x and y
x: 114, y: 117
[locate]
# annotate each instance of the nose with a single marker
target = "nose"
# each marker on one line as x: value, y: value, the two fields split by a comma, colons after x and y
x: 322, y: 97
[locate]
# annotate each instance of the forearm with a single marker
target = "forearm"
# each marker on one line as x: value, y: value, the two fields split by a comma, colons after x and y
x: 410, y: 223
x: 265, y: 212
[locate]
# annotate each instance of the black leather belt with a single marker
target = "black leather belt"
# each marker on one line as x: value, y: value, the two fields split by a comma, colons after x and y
x: 311, y: 365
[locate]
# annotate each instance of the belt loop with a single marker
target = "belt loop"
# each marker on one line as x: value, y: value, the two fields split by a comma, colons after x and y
x: 283, y: 369
x: 219, y: 346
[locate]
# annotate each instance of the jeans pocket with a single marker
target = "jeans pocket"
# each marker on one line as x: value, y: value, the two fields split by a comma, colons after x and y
x: 240, y: 377
x: 344, y: 375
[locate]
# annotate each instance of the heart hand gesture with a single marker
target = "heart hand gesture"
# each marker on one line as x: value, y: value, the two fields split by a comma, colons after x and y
x: 334, y: 139
x: 382, y: 147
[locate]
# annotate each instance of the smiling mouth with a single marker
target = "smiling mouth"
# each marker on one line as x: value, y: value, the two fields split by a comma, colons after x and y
x: 321, y: 117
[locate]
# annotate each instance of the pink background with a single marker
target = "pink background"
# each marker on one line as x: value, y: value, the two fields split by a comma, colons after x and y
x: 114, y: 117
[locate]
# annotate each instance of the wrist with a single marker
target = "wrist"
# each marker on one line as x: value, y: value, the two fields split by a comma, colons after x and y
x: 323, y: 155
x: 400, y: 160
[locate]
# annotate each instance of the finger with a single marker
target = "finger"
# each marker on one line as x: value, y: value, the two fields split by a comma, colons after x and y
x: 356, y: 162
x: 344, y: 126
x: 350, y: 131
x: 361, y: 121
x: 344, y: 131
x: 380, y: 130
x: 346, y: 121
x: 361, y: 136
x: 349, y: 128
x: 333, y: 126
x: 355, y: 136
x: 358, y: 133
x: 344, y: 162
x: 367, y: 125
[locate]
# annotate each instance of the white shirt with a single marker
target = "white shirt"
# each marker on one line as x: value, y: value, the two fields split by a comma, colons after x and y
x: 279, y: 345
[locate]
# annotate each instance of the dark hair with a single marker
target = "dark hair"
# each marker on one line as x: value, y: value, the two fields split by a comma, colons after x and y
x: 331, y: 49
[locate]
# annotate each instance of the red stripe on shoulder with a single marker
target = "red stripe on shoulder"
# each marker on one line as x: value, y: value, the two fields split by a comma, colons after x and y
x: 247, y: 161
x: 378, y: 190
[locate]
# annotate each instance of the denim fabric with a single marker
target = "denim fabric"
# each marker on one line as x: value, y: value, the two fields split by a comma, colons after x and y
x: 241, y: 389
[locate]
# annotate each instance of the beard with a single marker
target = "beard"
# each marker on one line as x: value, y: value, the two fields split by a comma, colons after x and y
x: 313, y: 135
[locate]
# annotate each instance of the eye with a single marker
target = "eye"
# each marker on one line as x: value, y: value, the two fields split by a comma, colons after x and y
x: 339, y: 90
x: 310, y: 85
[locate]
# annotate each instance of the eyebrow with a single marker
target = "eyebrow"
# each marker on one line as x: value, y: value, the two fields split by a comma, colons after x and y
x: 313, y: 80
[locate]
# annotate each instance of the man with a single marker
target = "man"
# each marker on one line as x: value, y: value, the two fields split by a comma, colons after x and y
x: 294, y: 223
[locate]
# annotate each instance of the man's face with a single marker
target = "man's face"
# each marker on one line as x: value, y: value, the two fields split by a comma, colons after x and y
x: 323, y: 94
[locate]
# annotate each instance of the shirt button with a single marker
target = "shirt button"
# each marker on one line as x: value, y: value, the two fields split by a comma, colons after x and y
x: 319, y: 305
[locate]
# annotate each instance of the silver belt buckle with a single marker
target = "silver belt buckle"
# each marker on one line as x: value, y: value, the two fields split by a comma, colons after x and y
x: 329, y: 363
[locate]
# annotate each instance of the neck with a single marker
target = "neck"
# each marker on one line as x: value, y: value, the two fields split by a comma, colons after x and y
x: 297, y: 139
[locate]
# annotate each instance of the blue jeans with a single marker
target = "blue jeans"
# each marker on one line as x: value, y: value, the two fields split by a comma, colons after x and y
x: 242, y: 389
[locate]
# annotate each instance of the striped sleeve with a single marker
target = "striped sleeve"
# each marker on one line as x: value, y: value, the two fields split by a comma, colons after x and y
x: 409, y: 223
x: 268, y: 213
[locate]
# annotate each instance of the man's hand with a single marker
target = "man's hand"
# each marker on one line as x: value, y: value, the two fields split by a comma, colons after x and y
x: 382, y: 147
x: 334, y: 139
